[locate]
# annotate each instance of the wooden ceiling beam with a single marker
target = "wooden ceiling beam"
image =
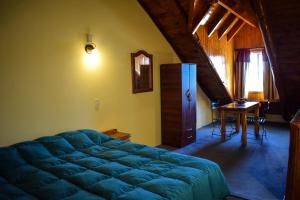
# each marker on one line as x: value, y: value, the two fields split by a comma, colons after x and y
x: 227, y: 25
x: 198, y: 10
x: 235, y: 29
x: 191, y: 14
x: 184, y: 5
x: 218, y: 18
x: 273, y: 52
x: 241, y: 9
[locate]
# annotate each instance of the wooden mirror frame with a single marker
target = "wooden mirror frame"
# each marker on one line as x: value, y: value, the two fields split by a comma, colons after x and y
x: 135, y: 89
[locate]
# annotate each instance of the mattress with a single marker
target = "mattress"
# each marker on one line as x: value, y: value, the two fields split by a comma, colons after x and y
x: 86, y: 164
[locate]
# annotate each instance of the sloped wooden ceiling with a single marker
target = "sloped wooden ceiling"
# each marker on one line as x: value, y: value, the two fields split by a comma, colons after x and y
x: 179, y: 21
x: 280, y: 24
x: 172, y: 18
x: 278, y: 20
x: 226, y: 17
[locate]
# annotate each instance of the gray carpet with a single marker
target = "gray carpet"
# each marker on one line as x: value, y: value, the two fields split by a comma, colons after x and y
x: 255, y: 172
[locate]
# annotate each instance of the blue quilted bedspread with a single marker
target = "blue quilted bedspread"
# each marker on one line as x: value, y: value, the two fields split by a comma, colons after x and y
x: 86, y: 164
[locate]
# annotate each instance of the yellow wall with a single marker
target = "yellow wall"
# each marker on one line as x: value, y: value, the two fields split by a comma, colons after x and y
x: 45, y: 86
x: 203, y: 109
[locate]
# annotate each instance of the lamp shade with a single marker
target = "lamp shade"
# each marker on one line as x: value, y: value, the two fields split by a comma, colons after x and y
x: 255, y: 96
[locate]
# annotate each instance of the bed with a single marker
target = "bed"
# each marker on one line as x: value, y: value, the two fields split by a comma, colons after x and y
x: 86, y: 164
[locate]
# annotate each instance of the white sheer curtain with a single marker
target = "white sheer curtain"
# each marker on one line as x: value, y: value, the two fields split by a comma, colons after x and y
x: 254, y: 73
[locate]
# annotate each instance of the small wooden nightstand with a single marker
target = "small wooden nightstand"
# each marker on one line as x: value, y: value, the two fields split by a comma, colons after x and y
x: 114, y: 133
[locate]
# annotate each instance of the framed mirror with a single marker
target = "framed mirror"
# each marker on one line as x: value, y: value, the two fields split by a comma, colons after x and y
x: 142, y: 72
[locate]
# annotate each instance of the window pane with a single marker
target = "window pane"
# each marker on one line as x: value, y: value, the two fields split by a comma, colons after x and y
x: 254, y: 73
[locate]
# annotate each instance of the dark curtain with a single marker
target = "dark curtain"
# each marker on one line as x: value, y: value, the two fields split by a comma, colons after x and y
x: 241, y: 65
x: 270, y: 90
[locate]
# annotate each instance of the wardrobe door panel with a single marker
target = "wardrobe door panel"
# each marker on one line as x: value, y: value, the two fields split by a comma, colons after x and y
x: 171, y: 115
x: 188, y: 103
x: 193, y: 102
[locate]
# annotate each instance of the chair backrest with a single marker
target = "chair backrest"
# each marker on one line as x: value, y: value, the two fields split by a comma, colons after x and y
x: 266, y: 108
x: 215, y: 104
x: 214, y: 115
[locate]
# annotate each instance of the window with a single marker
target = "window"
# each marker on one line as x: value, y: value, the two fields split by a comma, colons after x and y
x: 254, y: 73
x: 220, y: 66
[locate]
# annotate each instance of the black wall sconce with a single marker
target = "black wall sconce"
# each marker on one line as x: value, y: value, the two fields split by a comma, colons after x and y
x: 90, y: 46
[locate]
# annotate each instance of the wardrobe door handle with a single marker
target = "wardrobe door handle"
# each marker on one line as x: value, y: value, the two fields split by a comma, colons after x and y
x: 188, y: 94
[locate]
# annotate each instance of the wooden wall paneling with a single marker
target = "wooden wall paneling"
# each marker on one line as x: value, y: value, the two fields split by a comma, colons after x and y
x: 248, y: 37
x: 235, y: 29
x: 229, y: 59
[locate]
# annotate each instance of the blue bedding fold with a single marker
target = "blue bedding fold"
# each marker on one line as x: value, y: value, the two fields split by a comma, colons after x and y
x: 86, y: 164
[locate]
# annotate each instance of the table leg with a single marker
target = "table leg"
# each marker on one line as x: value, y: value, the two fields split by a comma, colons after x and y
x: 238, y: 123
x: 223, y: 125
x: 244, y: 128
x: 256, y: 126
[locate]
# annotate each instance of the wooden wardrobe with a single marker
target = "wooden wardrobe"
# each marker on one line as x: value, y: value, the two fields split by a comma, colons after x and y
x: 292, y: 191
x: 178, y: 104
